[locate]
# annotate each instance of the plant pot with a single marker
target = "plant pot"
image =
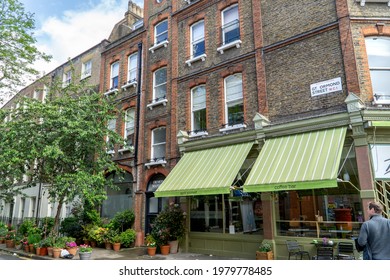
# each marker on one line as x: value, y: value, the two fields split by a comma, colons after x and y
x: 164, y: 249
x: 50, y: 251
x: 264, y: 255
x: 85, y: 255
x: 116, y: 246
x: 174, y: 246
x: 108, y: 245
x: 56, y: 253
x: 38, y: 251
x: 43, y: 251
x: 72, y: 250
x: 10, y: 243
x: 152, y: 251
x: 26, y: 248
x: 31, y: 248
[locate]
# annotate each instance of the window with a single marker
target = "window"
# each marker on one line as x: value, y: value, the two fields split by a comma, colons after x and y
x: 378, y: 52
x: 230, y: 25
x: 197, y: 39
x: 230, y: 29
x: 67, y: 78
x: 114, y: 75
x: 112, y: 127
x: 161, y: 32
x: 158, y: 145
x: 197, y: 47
x: 129, y: 128
x: 86, y: 69
x: 198, y: 103
x: 132, y: 70
x: 234, y: 107
x: 159, y: 87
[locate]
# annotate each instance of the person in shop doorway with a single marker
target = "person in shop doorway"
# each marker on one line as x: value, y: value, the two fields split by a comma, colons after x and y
x: 375, y: 234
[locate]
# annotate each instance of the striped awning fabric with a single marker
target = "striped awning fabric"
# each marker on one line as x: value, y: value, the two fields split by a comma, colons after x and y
x: 205, y: 172
x: 301, y: 161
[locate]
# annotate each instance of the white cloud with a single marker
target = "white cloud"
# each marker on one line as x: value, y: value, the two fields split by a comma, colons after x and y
x: 76, y: 31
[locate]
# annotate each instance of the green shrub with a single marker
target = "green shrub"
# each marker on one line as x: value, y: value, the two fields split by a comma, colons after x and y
x: 26, y: 227
x: 34, y: 238
x: 123, y: 220
x: 71, y: 226
x: 47, y: 225
x: 128, y: 237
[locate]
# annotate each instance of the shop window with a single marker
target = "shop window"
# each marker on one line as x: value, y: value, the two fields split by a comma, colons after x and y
x: 243, y: 213
x: 319, y: 213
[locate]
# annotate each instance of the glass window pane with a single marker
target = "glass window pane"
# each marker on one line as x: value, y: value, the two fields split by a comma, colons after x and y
x: 153, y: 205
x: 234, y: 87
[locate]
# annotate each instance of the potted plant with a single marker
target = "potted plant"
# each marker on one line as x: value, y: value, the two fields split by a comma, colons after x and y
x: 265, y: 251
x: 128, y: 238
x: 33, y: 239
x: 85, y: 252
x: 71, y: 247
x: 116, y: 242
x: 58, y: 245
x: 151, y: 245
x: 168, y: 227
x: 10, y: 239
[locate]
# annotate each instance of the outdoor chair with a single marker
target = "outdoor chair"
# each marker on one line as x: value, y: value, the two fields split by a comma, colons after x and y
x: 295, y: 249
x: 345, y: 251
x: 324, y: 253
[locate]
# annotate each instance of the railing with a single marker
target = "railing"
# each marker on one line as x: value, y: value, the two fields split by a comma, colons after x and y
x: 383, y: 196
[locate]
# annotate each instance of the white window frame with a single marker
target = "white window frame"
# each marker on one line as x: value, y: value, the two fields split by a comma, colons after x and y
x: 232, y: 102
x: 161, y: 159
x: 157, y: 100
x: 132, y: 66
x: 379, y: 47
x: 114, y: 73
x: 86, y: 69
x: 67, y: 79
x: 129, y: 128
x: 236, y: 43
x: 158, y: 44
x: 195, y: 41
x: 111, y: 125
x: 194, y: 110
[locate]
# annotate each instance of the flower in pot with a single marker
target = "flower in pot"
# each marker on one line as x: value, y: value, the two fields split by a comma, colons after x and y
x: 151, y: 244
x: 71, y: 246
x: 85, y: 252
x: 265, y: 251
x: 116, y: 242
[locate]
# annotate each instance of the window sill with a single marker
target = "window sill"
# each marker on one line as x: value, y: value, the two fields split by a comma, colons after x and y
x: 153, y: 104
x: 129, y: 84
x: 233, y: 44
x: 363, y: 2
x: 127, y: 149
x: 85, y: 76
x: 154, y: 163
x: 199, y: 57
x: 232, y: 127
x: 111, y: 91
x: 198, y: 134
x: 159, y: 45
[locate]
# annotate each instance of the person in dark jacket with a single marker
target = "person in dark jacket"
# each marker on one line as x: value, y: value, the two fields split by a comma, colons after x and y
x: 375, y: 234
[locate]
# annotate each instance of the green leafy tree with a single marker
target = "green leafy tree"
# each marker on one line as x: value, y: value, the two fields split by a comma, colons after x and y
x: 60, y: 143
x: 17, y: 46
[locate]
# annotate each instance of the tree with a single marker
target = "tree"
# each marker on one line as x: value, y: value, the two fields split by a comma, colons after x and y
x: 17, y: 47
x: 59, y: 143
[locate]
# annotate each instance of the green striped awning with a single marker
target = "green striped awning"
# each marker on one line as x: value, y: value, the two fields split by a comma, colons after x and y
x: 205, y: 172
x: 302, y: 161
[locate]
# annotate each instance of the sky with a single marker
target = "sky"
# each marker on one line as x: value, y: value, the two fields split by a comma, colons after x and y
x: 66, y: 28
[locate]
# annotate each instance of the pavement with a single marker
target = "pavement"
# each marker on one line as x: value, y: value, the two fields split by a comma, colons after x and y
x: 136, y: 253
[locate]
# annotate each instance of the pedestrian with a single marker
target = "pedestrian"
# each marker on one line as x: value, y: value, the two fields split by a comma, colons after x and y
x: 375, y: 234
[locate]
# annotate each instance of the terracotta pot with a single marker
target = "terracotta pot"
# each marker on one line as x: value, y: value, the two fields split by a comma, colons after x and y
x: 26, y: 248
x: 116, y: 246
x: 152, y: 251
x: 264, y: 255
x: 38, y: 251
x: 174, y: 246
x: 43, y: 251
x: 31, y: 248
x: 56, y: 253
x: 10, y: 243
x: 72, y: 250
x: 50, y: 251
x: 108, y: 245
x: 164, y: 249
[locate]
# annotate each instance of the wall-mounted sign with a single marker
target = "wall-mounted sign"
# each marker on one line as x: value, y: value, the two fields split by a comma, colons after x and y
x: 381, y: 161
x: 325, y: 87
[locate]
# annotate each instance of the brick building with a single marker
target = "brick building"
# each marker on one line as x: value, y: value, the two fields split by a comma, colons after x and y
x: 264, y: 120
